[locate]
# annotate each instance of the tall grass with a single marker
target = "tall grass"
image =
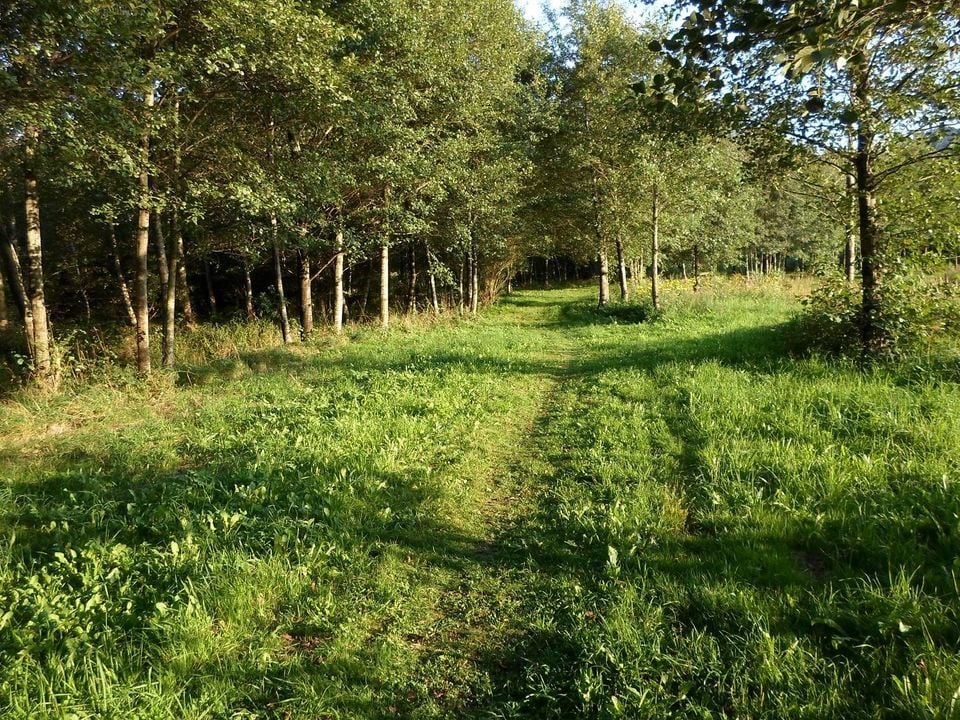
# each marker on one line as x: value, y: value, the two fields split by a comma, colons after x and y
x: 751, y: 534
x: 550, y: 511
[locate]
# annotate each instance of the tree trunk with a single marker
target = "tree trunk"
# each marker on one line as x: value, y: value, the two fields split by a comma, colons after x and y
x: 19, y: 290
x: 461, y: 286
x: 468, y: 281
x: 696, y: 268
x: 474, y: 275
x: 412, y: 294
x: 850, y: 249
x: 160, y: 245
x: 385, y: 285
x: 870, y: 269
x: 4, y: 317
x: 183, y: 286
x: 278, y: 271
x: 338, y: 296
x: 434, y: 300
x: 38, y: 328
x: 306, y: 297
x: 248, y: 292
x: 121, y: 278
x: 655, y: 251
x: 604, y: 294
x: 368, y: 287
x: 11, y: 264
x: 622, y: 270
x: 604, y: 279
x: 170, y: 299
x: 211, y: 293
x: 141, y: 299
x: 176, y: 230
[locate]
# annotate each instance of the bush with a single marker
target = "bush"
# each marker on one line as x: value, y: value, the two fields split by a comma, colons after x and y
x: 829, y: 322
x: 919, y: 313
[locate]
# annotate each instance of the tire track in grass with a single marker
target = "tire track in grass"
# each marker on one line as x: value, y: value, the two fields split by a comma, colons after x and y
x: 467, y: 654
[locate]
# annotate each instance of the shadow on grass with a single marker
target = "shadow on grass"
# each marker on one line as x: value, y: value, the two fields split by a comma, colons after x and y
x: 580, y: 314
x: 228, y: 499
x: 759, y: 349
x: 359, y: 367
x: 540, y: 300
x: 723, y: 596
x: 828, y: 584
x: 108, y: 507
x: 231, y: 500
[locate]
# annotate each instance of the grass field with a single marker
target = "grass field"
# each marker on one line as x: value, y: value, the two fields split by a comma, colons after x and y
x: 548, y: 512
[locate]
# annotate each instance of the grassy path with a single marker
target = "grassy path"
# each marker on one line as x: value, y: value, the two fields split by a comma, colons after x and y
x: 548, y: 512
x: 468, y: 656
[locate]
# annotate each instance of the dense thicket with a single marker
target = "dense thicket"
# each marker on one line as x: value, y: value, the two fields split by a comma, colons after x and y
x: 178, y: 161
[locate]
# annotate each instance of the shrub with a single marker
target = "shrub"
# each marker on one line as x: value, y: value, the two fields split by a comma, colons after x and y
x: 830, y: 319
x: 919, y: 313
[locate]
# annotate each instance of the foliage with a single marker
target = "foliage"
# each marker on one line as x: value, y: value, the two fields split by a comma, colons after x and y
x: 919, y: 314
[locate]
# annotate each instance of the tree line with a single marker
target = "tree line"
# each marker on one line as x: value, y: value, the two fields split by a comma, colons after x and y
x: 175, y: 161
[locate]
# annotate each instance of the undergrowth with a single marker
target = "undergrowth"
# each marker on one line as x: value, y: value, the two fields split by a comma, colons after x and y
x: 918, y: 318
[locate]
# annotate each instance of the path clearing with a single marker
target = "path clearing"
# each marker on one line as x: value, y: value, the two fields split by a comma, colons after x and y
x: 470, y: 654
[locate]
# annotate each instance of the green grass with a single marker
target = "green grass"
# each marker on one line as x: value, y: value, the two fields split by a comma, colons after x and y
x: 546, y: 512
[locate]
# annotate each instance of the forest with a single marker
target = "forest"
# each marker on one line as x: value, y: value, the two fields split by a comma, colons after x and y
x: 417, y: 358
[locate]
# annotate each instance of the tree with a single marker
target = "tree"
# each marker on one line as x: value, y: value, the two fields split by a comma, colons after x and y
x: 597, y: 61
x: 38, y: 41
x: 866, y: 69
